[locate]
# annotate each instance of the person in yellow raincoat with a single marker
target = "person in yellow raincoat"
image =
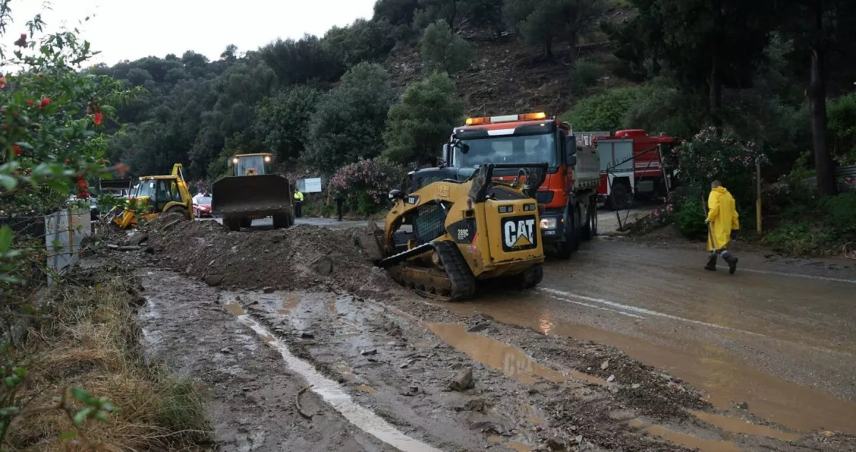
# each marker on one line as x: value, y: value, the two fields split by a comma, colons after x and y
x: 722, y: 219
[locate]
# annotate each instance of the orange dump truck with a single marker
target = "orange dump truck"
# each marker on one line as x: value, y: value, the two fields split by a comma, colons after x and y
x: 568, y: 196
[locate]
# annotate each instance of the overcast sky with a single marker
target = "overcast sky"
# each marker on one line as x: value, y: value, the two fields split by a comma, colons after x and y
x: 131, y: 29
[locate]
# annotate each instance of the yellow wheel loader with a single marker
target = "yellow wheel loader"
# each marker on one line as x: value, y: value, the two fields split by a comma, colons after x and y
x: 157, y: 195
x: 252, y: 192
x: 458, y: 227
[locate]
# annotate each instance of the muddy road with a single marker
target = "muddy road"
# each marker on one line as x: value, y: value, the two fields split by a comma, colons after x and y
x: 630, y: 345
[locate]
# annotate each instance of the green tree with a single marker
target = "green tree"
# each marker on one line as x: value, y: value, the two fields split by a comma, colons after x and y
x: 603, y: 111
x: 363, y: 40
x: 301, y: 61
x: 543, y: 22
x: 443, y: 50
x: 282, y: 121
x: 423, y: 120
x: 708, y: 44
x: 819, y: 28
x: 349, y: 121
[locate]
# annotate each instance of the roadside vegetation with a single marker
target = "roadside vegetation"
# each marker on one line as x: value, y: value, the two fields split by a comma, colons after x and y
x: 72, y: 374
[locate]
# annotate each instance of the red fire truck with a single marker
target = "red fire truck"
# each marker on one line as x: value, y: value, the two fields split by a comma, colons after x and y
x: 630, y: 165
x: 568, y: 195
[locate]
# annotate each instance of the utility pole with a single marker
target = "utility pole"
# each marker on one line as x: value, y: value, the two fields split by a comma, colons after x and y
x: 758, y: 227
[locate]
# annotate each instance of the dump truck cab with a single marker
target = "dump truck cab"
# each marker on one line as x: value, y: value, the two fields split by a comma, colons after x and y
x: 252, y: 191
x: 568, y: 195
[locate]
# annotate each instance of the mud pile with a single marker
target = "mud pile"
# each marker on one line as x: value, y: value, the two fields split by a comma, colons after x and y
x: 301, y: 257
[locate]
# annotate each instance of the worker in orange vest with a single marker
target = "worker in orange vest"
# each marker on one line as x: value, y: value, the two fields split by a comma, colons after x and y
x: 722, y: 220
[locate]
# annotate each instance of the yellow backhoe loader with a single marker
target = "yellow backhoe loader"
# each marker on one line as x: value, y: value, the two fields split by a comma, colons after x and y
x: 157, y: 195
x: 458, y: 227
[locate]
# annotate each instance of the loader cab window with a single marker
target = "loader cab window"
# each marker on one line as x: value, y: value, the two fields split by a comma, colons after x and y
x: 253, y: 165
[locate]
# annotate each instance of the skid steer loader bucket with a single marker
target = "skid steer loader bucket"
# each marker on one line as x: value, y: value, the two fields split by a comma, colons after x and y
x: 251, y: 196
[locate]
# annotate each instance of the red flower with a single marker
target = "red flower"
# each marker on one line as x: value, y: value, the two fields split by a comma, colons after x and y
x: 45, y: 102
x: 82, y: 187
x: 18, y: 151
x: 30, y: 102
x: 97, y: 118
x: 2, y: 81
x: 22, y: 41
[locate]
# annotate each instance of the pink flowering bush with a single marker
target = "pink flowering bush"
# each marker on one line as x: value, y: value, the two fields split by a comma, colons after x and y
x: 710, y: 155
x: 365, y: 184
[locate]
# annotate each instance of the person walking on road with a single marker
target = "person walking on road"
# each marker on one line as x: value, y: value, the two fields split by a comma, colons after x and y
x: 298, y: 203
x: 722, y: 220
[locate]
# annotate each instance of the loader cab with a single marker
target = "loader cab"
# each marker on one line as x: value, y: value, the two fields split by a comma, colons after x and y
x: 251, y: 164
x: 156, y: 194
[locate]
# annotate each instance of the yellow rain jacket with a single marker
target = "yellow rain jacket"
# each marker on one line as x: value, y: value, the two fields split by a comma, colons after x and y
x: 298, y: 196
x: 723, y: 218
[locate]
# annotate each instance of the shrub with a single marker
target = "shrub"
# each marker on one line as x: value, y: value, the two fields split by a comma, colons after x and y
x: 841, y: 212
x: 422, y: 121
x: 716, y: 154
x: 689, y: 218
x: 443, y: 50
x: 585, y: 75
x: 799, y: 239
x: 365, y: 184
x: 349, y: 121
x: 842, y: 127
x: 603, y: 111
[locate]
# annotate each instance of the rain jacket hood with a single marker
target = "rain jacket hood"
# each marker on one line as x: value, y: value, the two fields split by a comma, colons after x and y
x: 723, y: 217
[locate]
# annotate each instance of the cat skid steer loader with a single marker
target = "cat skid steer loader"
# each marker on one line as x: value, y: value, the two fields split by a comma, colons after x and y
x: 157, y: 195
x: 458, y: 227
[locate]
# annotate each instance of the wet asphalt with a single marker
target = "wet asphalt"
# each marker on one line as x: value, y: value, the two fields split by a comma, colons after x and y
x: 777, y: 337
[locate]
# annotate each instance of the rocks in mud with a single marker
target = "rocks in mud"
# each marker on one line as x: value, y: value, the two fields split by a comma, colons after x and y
x: 604, y: 365
x: 610, y: 379
x: 369, y: 352
x: 213, y: 280
x: 323, y: 266
x: 268, y: 289
x: 307, y: 335
x: 137, y: 239
x: 463, y: 380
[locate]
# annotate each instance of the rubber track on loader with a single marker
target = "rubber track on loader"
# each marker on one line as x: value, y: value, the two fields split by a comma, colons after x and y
x: 462, y: 280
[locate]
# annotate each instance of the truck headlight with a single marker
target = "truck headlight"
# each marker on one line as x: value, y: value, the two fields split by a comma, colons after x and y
x: 548, y: 223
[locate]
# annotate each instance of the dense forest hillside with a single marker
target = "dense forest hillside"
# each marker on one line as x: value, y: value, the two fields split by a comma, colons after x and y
x: 670, y: 66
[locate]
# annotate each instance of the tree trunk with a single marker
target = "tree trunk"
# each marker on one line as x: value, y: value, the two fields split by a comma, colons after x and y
x: 548, y: 47
x: 817, y: 102
x: 817, y: 105
x: 714, y: 83
x: 572, y: 43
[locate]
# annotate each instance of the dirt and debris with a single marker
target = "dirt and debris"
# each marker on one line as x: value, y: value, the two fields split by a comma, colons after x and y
x: 457, y: 382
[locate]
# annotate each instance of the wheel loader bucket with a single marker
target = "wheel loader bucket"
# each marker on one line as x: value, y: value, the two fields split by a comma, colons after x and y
x: 251, y: 196
x: 369, y: 240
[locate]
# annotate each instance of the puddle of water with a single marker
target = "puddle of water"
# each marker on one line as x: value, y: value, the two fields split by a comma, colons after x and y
x: 333, y: 394
x: 740, y: 426
x: 710, y: 369
x: 684, y: 439
x: 234, y: 308
x: 508, y: 359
